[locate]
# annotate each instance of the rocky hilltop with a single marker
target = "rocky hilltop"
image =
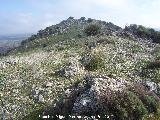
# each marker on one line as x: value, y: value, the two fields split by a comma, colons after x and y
x: 65, y: 25
x: 108, y: 28
x: 83, y: 69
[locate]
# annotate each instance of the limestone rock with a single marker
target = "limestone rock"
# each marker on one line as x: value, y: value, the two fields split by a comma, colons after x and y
x: 41, y: 98
x: 85, y: 104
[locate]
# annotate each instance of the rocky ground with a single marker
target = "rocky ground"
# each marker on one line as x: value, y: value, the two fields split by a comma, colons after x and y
x: 67, y: 73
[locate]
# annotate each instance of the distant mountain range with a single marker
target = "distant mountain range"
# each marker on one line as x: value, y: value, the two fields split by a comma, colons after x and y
x: 15, y: 36
x: 8, y: 42
x: 157, y: 29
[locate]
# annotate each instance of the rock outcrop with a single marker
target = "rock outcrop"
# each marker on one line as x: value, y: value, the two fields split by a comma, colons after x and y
x: 96, y: 97
x: 107, y: 28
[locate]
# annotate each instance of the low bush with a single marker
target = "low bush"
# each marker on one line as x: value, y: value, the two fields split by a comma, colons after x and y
x: 92, y: 30
x: 92, y: 62
x: 151, y: 70
x: 151, y: 104
x: 124, y: 106
x: 144, y: 32
x: 106, y: 41
x: 154, y: 65
x: 89, y: 20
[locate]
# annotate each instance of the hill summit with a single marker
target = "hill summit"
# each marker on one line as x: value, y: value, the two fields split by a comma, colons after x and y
x: 83, y: 69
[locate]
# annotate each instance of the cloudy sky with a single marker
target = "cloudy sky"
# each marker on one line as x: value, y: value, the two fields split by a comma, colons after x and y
x: 28, y: 16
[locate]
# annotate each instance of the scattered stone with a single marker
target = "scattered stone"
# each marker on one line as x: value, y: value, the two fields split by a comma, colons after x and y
x: 151, y: 86
x: 49, y: 84
x: 92, y: 45
x: 41, y: 98
x: 37, y: 93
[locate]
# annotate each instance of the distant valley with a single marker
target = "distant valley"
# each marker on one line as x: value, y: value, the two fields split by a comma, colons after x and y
x: 8, y: 42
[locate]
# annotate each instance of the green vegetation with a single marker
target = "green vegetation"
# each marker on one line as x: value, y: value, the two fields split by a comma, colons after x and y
x: 96, y: 62
x: 79, y: 51
x: 92, y: 29
x: 151, y: 104
x: 144, y: 32
x: 126, y: 105
x: 154, y: 65
x: 151, y: 71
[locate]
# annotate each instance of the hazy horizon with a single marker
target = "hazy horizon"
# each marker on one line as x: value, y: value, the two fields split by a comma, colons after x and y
x: 29, y: 16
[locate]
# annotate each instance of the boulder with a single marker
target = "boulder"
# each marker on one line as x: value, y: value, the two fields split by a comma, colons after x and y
x: 41, y: 99
x: 152, y: 86
x: 85, y: 104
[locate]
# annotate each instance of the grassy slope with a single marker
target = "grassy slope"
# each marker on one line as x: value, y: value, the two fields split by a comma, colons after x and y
x: 36, y: 64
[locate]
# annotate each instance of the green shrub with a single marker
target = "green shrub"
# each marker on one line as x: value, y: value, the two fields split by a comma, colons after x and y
x: 151, y: 104
x: 149, y: 33
x: 44, y: 45
x: 150, y: 70
x: 92, y: 29
x: 95, y: 62
x: 136, y: 49
x: 89, y: 20
x: 135, y: 107
x: 127, y: 106
x: 154, y: 65
x: 60, y: 48
x: 106, y: 41
x: 145, y: 32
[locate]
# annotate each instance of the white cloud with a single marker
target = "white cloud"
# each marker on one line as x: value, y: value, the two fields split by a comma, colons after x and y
x: 46, y: 13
